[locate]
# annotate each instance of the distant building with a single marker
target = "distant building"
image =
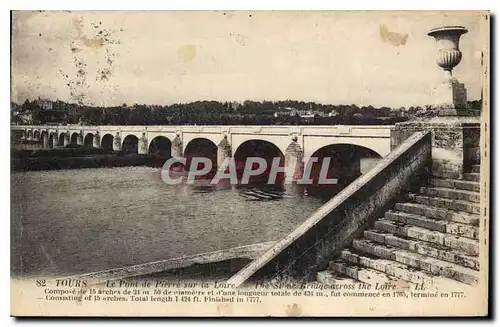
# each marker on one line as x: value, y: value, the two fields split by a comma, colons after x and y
x: 52, y: 111
x: 234, y: 105
x: 45, y: 104
x: 287, y: 111
x: 333, y: 113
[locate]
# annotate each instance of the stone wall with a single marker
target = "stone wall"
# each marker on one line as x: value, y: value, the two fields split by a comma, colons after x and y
x: 313, y: 244
x: 455, y: 142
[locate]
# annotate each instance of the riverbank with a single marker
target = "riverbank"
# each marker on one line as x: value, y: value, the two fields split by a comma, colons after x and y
x: 76, y: 158
x: 96, y: 161
x: 222, y: 263
x: 57, y: 152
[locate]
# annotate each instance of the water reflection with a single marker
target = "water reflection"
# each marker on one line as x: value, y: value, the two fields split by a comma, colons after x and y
x: 67, y: 222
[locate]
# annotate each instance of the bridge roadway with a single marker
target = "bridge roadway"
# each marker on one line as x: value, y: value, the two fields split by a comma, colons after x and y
x: 300, y: 142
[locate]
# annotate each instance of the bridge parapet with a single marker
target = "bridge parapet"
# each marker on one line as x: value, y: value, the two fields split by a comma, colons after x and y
x: 352, y: 130
x: 308, y: 138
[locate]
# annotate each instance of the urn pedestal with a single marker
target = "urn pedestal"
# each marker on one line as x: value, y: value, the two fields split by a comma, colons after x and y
x: 450, y: 94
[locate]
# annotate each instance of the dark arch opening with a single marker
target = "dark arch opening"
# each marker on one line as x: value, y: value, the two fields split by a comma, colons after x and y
x: 89, y: 140
x: 160, y: 147
x: 29, y: 134
x: 201, y: 147
x: 44, y: 134
x: 262, y: 149
x: 36, y: 135
x: 130, y: 144
x: 74, y: 139
x: 19, y: 135
x: 347, y: 162
x: 107, y: 142
x: 51, y: 140
x: 61, y: 138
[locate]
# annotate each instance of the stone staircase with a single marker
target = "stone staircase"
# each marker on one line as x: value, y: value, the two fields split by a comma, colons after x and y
x: 431, y: 240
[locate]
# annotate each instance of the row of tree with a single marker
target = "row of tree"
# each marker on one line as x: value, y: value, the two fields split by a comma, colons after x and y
x: 208, y: 113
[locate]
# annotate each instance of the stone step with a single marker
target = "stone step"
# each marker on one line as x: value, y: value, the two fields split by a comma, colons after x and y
x: 416, y: 220
x: 438, y: 213
x: 473, y: 177
x: 330, y: 278
x: 456, y: 184
x: 438, y: 170
x: 402, y: 271
x: 450, y: 193
x: 462, y: 244
x: 362, y: 274
x: 475, y: 169
x: 428, y: 264
x: 425, y: 248
x: 457, y: 205
x: 443, y: 226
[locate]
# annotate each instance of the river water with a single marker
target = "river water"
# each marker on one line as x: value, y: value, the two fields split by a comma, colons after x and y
x: 68, y: 222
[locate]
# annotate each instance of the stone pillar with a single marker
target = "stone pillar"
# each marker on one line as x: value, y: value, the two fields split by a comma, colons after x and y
x: 45, y: 140
x: 142, y: 147
x: 294, y: 161
x: 79, y: 139
x: 117, y: 142
x: 177, y: 147
x: 55, y: 140
x: 66, y: 139
x: 96, y: 141
x: 224, y: 151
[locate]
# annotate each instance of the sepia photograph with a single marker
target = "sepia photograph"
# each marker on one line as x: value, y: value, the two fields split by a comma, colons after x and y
x: 249, y: 163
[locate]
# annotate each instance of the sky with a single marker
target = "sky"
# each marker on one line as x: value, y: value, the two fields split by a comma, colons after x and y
x: 156, y: 57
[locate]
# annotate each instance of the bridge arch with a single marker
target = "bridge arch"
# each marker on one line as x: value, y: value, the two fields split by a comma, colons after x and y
x: 29, y: 134
x: 88, y: 141
x: 346, y: 163
x: 262, y: 149
x: 36, y: 134
x: 130, y: 144
x: 52, y: 135
x: 187, y: 138
x: 259, y: 147
x: 380, y: 146
x: 124, y: 135
x: 279, y: 141
x: 201, y: 147
x: 74, y: 138
x: 62, y: 135
x: 160, y: 146
x: 44, y: 137
x: 107, y: 142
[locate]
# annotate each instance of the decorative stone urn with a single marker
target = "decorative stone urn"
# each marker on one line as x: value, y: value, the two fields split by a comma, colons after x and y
x: 450, y: 95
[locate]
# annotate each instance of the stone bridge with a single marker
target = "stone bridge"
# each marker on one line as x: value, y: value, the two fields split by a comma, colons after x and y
x: 297, y: 141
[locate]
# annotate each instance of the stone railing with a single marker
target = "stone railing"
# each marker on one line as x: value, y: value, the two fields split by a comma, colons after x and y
x: 315, y: 242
